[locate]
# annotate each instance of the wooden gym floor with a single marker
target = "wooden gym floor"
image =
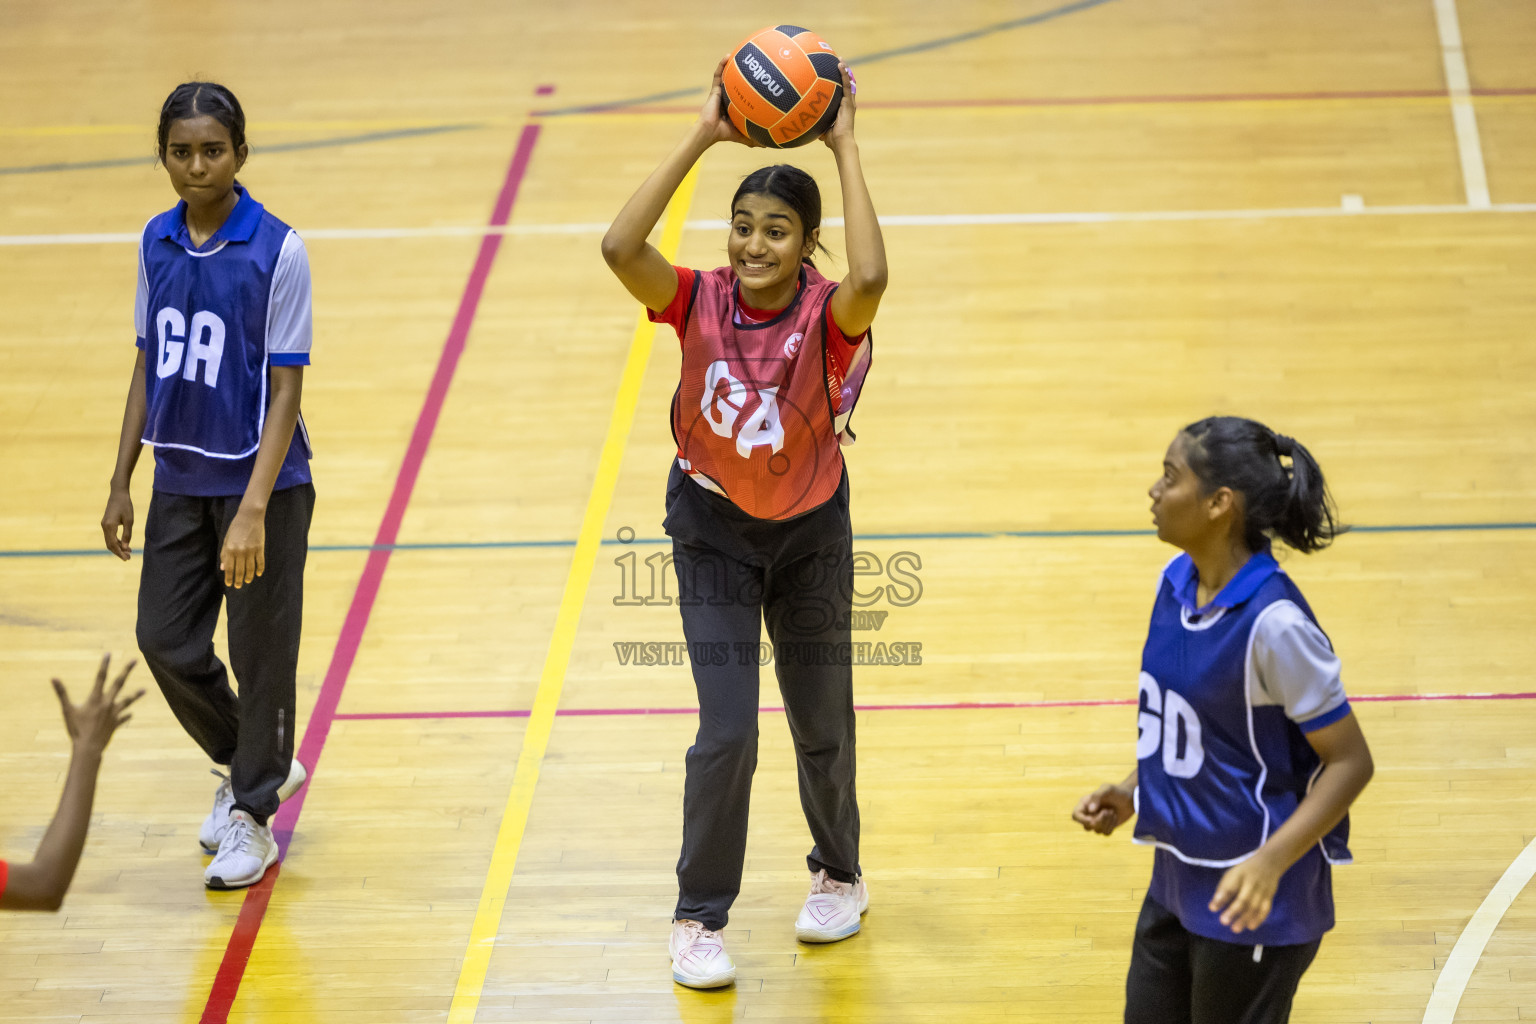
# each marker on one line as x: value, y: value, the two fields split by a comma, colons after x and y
x: 1105, y: 219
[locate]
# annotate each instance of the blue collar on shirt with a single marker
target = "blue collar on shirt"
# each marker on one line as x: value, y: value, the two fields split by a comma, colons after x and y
x: 239, y: 226
x: 1186, y: 581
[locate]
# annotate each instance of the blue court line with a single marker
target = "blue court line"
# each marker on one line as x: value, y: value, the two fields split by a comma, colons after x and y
x: 282, y: 147
x: 868, y: 58
x: 509, y: 545
x: 348, y: 140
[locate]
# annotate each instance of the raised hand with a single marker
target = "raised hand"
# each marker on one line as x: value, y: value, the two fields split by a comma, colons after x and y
x: 41, y: 883
x: 842, y: 124
x: 713, y: 115
x: 92, y: 723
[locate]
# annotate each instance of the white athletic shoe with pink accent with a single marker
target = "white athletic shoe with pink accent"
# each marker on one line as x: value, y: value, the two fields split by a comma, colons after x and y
x: 699, y: 959
x: 217, y: 823
x: 832, y: 909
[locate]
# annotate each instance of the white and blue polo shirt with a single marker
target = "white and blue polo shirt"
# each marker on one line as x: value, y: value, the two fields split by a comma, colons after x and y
x: 1228, y: 693
x: 212, y: 320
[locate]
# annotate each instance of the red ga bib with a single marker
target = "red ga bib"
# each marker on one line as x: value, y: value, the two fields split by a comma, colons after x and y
x: 753, y: 415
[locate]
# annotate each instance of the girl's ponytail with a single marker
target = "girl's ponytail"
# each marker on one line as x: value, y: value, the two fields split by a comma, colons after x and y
x: 1289, y: 503
x: 1308, y: 522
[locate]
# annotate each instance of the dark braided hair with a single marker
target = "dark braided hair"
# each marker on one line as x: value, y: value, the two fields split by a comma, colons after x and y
x: 1289, y: 503
x: 201, y: 99
x: 792, y: 187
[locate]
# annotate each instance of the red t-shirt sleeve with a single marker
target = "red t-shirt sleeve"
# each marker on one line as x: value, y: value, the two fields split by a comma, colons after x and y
x: 5, y: 874
x: 676, y: 312
x: 840, y: 347
x: 840, y: 352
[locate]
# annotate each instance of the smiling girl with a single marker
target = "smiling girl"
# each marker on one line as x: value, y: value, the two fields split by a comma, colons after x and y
x: 774, y: 357
x: 222, y: 316
x: 1248, y: 755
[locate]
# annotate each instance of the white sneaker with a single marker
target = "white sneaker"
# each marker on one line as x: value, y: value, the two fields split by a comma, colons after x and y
x: 212, y: 832
x: 699, y: 959
x: 297, y: 776
x: 217, y: 821
x: 832, y: 909
x: 245, y: 853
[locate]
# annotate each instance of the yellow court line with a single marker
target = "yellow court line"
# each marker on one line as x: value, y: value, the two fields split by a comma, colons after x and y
x: 514, y: 819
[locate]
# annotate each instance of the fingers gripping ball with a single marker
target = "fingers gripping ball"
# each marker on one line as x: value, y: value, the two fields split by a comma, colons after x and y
x: 782, y: 87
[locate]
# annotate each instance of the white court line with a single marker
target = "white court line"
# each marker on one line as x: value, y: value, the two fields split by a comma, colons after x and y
x: 1474, y: 938
x: 1473, y: 174
x: 1143, y: 216
x: 892, y: 221
x: 438, y: 231
x: 452, y: 231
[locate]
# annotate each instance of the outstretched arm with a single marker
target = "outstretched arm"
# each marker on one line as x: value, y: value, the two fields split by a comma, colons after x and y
x: 41, y: 884
x: 856, y: 301
x: 637, y: 263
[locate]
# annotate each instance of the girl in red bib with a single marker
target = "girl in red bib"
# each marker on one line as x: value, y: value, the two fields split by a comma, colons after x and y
x: 774, y: 356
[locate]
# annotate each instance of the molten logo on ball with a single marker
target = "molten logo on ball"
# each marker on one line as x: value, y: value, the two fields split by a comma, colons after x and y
x: 782, y: 87
x: 762, y: 76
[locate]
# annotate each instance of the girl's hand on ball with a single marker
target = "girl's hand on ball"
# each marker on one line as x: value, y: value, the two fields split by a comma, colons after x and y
x: 842, y: 125
x: 713, y: 115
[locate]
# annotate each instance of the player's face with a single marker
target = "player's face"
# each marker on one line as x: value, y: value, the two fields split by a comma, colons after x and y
x: 1180, y: 511
x: 201, y: 161
x: 766, y: 245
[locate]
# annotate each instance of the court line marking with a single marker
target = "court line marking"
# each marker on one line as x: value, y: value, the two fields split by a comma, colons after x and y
x: 377, y: 124
x: 1474, y: 174
x: 901, y: 51
x: 281, y: 147
x: 408, y: 127
x: 541, y: 719
x: 1452, y: 982
x: 1477, y: 192
x: 1415, y: 97
x: 871, y: 58
x: 888, y: 221
x: 860, y: 61
x: 1373, y: 698
x: 493, y: 545
x: 242, y: 940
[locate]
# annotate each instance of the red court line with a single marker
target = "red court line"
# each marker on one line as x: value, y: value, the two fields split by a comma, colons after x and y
x: 1177, y: 98
x: 242, y: 940
x: 957, y: 706
x: 1106, y: 101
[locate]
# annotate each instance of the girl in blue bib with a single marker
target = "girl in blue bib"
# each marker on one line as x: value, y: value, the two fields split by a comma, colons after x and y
x: 222, y: 316
x: 1248, y: 755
